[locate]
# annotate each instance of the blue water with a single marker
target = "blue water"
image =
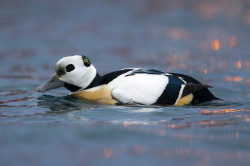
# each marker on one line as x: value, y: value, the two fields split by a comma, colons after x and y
x: 208, y: 40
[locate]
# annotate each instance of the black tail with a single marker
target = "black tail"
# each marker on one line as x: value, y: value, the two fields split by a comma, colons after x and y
x: 201, y: 95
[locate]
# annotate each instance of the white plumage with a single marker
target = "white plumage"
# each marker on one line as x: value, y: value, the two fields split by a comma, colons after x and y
x: 142, y: 88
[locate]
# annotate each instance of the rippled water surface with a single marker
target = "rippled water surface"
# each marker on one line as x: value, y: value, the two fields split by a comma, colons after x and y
x: 208, y: 40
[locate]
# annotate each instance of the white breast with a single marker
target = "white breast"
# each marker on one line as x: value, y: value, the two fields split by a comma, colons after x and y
x: 139, y: 88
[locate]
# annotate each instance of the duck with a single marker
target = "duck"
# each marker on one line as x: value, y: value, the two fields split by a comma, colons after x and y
x: 129, y: 86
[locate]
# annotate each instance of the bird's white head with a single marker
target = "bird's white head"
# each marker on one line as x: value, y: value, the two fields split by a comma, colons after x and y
x: 76, y: 71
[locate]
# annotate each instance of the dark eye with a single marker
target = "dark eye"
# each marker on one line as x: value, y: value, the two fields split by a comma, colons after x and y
x: 70, y: 67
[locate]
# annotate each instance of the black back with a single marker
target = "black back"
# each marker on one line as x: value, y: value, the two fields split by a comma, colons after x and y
x: 111, y: 76
x: 107, y: 78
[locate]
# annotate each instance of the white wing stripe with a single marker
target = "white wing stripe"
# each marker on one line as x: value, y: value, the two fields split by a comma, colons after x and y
x: 180, y: 93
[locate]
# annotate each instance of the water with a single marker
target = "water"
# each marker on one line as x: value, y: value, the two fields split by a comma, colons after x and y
x: 208, y: 40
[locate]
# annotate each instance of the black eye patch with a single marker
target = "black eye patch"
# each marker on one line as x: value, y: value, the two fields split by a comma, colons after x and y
x: 70, y: 67
x: 60, y: 72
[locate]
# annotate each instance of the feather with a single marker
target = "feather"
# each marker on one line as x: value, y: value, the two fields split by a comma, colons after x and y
x: 191, y: 88
x: 138, y: 88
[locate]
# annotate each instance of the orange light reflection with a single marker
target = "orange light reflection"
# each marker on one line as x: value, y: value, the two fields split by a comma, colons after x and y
x: 205, y: 71
x: 238, y: 64
x: 222, y: 111
x: 107, y: 152
x: 216, y: 45
x: 233, y: 41
x: 248, y: 16
x: 234, y: 79
x: 177, y: 33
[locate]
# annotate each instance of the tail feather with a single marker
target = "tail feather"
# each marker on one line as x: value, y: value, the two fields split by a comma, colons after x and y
x: 191, y: 88
x: 203, y: 96
x: 200, y: 95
